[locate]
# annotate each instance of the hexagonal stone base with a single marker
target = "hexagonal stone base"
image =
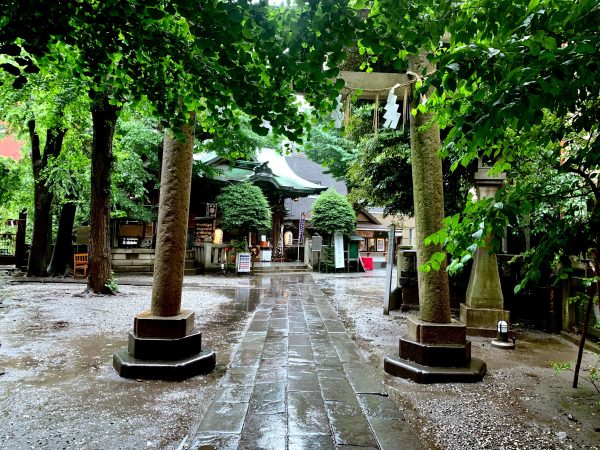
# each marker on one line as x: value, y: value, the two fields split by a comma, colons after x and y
x: 448, y: 355
x: 129, y: 367
x: 473, y: 372
x: 164, y: 348
x: 148, y: 325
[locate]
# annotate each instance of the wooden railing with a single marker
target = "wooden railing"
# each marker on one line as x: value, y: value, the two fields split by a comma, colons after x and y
x: 210, y: 256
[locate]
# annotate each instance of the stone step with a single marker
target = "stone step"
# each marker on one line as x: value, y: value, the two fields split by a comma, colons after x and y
x: 148, y: 269
x: 144, y: 268
x: 262, y: 270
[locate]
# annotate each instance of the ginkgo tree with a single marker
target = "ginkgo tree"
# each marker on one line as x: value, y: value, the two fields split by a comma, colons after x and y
x: 210, y: 59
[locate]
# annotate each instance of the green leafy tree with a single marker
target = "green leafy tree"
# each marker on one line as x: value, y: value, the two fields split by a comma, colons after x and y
x: 330, y: 149
x: 138, y: 143
x: 43, y: 111
x: 244, y: 207
x: 206, y: 62
x: 381, y: 175
x: 13, y: 179
x: 333, y: 213
x: 497, y: 81
x: 511, y: 91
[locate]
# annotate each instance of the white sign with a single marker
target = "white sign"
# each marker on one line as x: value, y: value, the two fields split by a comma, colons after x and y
x: 338, y: 240
x: 243, y: 262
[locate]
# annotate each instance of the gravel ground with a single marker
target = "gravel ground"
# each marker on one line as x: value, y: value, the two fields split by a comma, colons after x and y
x: 58, y: 388
x: 520, y: 404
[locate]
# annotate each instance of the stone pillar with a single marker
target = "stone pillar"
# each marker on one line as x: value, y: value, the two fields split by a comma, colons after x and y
x: 165, y: 344
x: 484, y: 302
x: 407, y: 278
x: 435, y: 348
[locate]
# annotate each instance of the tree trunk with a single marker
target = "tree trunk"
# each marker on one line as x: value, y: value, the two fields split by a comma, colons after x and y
x: 62, y: 255
x: 172, y: 226
x: 434, y: 295
x: 20, y: 239
x: 104, y: 118
x: 42, y: 198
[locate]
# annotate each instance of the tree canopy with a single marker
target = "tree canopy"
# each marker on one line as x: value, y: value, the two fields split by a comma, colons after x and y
x: 509, y: 91
x: 244, y: 206
x: 331, y: 213
x: 206, y: 60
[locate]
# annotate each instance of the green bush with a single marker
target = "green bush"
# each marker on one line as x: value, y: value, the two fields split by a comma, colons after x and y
x: 245, y: 207
x: 332, y: 213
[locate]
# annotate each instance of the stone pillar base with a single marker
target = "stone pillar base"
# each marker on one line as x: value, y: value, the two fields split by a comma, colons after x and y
x: 165, y: 348
x: 410, y: 298
x: 395, y: 299
x: 473, y: 372
x: 482, y: 321
x: 433, y: 353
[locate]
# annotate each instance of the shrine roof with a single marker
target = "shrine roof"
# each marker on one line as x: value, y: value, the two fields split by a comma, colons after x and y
x: 269, y: 169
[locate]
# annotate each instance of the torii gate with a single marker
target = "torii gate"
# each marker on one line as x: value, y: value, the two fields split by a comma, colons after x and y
x: 374, y: 86
x: 435, y: 348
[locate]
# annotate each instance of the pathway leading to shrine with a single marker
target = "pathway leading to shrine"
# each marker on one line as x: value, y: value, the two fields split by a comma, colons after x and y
x: 298, y: 381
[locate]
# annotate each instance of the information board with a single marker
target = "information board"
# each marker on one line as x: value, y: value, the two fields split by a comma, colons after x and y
x: 338, y: 240
x: 204, y: 232
x: 243, y: 262
x: 317, y: 243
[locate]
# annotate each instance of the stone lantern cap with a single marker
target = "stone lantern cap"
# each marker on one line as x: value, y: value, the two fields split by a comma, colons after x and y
x: 482, y: 176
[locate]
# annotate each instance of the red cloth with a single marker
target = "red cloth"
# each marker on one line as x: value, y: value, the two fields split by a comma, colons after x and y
x: 366, y: 263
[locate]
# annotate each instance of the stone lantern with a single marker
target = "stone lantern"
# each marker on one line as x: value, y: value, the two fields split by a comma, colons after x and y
x: 484, y: 302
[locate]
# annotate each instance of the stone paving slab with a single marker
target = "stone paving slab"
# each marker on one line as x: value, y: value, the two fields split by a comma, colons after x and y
x: 298, y: 381
x: 362, y: 379
x: 349, y: 425
x: 263, y: 432
x: 219, y: 441
x: 224, y: 418
x: 303, y: 378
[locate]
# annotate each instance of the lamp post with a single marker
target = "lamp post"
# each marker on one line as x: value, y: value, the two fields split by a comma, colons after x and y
x: 501, y: 340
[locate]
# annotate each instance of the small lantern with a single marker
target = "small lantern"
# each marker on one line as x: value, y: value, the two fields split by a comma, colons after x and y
x: 218, y: 239
x: 502, y: 331
x: 501, y: 340
x: 288, y: 238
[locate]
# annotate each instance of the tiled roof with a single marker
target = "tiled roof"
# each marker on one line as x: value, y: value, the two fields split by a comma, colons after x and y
x: 9, y: 146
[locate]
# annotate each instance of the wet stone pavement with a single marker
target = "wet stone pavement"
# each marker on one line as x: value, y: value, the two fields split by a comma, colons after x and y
x: 298, y: 381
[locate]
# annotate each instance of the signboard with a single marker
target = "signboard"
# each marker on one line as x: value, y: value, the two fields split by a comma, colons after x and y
x: 243, y: 262
x: 204, y: 231
x: 83, y: 235
x: 211, y: 210
x: 317, y: 243
x: 301, y: 232
x: 338, y: 240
